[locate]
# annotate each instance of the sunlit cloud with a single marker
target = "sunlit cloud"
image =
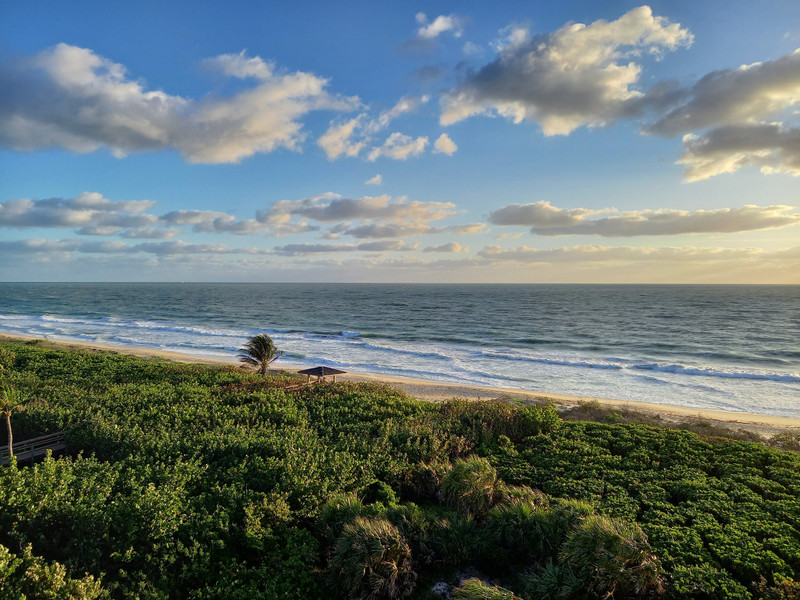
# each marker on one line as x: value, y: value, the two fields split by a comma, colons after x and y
x: 381, y: 246
x: 576, y: 76
x: 545, y: 219
x: 449, y: 247
x: 39, y: 245
x: 91, y: 211
x: 399, y: 147
x: 525, y: 254
x: 444, y: 145
x: 429, y: 30
x: 72, y: 98
x: 770, y: 147
x: 745, y: 95
x: 337, y: 140
x: 377, y: 180
x: 351, y: 137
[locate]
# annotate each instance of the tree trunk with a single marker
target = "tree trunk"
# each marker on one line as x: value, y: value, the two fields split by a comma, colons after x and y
x: 10, y: 435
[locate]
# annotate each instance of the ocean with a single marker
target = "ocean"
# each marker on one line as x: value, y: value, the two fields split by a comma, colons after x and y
x: 733, y: 348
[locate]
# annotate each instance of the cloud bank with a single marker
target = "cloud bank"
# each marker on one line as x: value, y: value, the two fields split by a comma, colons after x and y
x: 545, y: 219
x: 71, y: 98
x: 578, y: 75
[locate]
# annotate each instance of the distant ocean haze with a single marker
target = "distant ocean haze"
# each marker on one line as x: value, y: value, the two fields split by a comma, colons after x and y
x: 715, y: 347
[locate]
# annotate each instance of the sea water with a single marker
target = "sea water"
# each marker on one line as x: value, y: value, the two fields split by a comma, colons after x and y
x: 733, y: 348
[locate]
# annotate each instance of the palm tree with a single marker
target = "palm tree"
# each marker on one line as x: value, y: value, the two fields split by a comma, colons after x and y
x: 10, y: 400
x: 259, y: 351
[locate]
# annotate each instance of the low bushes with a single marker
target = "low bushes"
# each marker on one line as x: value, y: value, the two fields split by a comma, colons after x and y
x: 192, y: 482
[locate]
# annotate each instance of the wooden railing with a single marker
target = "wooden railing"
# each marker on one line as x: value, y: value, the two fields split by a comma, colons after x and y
x: 34, y: 448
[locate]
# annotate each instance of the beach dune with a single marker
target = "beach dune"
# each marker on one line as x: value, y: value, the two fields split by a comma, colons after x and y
x: 434, y: 391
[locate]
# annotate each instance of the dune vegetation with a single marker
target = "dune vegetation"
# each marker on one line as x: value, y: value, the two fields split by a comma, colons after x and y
x: 199, y: 482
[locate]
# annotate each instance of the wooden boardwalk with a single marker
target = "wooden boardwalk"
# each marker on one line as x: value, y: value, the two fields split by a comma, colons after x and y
x: 34, y: 448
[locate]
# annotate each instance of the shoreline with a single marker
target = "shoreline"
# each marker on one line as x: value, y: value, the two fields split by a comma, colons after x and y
x: 434, y: 391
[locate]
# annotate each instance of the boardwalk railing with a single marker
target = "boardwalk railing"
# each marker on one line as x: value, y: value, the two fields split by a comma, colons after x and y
x: 35, y: 447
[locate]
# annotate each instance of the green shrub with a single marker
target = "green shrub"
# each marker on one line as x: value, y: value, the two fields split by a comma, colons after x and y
x: 475, y: 589
x: 458, y: 540
x: 553, y: 582
x: 381, y: 493
x: 417, y: 526
x: 338, y: 512
x: 372, y: 561
x: 558, y: 522
x: 514, y: 493
x: 783, y: 589
x: 513, y: 531
x: 29, y: 576
x: 705, y: 582
x: 612, y: 556
x: 423, y: 481
x: 471, y: 487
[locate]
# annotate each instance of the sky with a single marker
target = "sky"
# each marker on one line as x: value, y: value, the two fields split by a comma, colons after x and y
x: 583, y: 141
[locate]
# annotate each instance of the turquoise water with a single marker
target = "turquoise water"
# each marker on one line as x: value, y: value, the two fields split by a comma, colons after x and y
x: 720, y: 347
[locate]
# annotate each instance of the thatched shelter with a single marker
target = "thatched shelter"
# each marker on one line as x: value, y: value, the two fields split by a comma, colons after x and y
x: 321, y: 373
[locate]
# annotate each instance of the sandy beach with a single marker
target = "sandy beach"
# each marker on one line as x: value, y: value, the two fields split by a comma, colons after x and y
x: 434, y: 391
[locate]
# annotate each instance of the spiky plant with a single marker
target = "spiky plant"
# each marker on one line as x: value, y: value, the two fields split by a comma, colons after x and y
x: 613, y: 556
x: 471, y: 486
x: 513, y: 493
x: 457, y: 540
x: 554, y: 582
x: 259, y: 351
x: 338, y: 512
x: 372, y: 561
x: 555, y: 524
x: 417, y: 526
x: 10, y: 400
x: 513, y: 529
x: 475, y: 589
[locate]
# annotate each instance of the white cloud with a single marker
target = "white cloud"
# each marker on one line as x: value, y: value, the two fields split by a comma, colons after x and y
x: 209, y: 221
x: 441, y: 24
x: 90, y: 210
x: 337, y: 140
x: 368, y: 217
x: 448, y: 247
x: 406, y: 104
x: 579, y: 75
x: 444, y: 145
x: 399, y: 146
x: 332, y: 207
x: 389, y: 230
x: 509, y: 236
x: 771, y: 147
x: 71, y: 98
x: 746, y: 95
x: 612, y: 254
x: 239, y: 65
x: 377, y: 180
x: 468, y: 229
x: 546, y: 219
x: 150, y: 233
x: 472, y: 49
x: 39, y: 245
x: 381, y: 246
x: 749, y: 115
x: 351, y: 137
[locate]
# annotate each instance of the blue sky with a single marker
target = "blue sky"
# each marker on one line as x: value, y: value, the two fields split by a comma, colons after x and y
x: 431, y: 142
